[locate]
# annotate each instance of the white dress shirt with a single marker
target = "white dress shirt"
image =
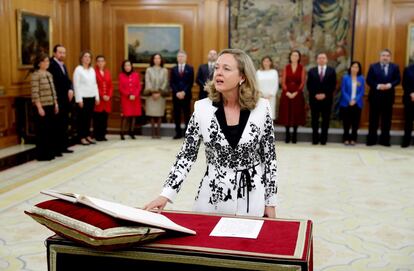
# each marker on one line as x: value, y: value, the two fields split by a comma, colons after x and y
x: 354, y: 89
x: 84, y: 83
x: 181, y: 68
x: 323, y: 68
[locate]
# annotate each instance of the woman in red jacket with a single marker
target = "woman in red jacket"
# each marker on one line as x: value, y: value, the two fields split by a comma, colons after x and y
x: 130, y: 90
x: 104, y: 81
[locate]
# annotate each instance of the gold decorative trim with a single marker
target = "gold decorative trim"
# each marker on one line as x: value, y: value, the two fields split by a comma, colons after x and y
x: 20, y: 13
x: 113, y: 241
x: 89, y: 229
x: 54, y: 249
x: 299, y: 247
x: 145, y: 65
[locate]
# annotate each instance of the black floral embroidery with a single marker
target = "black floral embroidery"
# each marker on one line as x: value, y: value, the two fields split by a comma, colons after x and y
x: 186, y: 157
x: 268, y: 158
x: 223, y: 161
x: 242, y: 160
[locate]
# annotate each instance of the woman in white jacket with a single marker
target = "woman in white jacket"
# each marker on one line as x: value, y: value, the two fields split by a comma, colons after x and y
x: 268, y: 82
x: 86, y: 96
x: 237, y: 130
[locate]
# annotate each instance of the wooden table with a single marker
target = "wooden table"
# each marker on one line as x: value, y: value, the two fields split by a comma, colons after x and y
x: 281, y: 245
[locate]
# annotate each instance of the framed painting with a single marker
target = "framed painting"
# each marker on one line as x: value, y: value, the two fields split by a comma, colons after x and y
x: 410, y: 44
x: 34, y: 33
x: 144, y: 40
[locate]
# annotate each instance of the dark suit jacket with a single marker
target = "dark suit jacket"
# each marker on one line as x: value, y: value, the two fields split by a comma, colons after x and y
x: 203, y: 76
x: 61, y: 81
x: 408, y: 84
x: 315, y: 86
x: 376, y: 76
x: 184, y: 82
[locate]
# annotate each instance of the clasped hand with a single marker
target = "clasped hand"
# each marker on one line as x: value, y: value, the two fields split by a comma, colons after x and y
x: 320, y: 96
x: 180, y: 95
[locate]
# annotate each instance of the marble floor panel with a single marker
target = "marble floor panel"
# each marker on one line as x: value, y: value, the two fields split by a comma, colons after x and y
x: 360, y: 199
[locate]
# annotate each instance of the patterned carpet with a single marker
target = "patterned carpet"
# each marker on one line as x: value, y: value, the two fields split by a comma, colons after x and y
x: 360, y: 199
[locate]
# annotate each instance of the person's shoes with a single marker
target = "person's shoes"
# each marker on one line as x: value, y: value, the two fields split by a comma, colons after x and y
x: 315, y: 142
x: 294, y: 139
x: 67, y: 151
x: 104, y: 139
x: 99, y: 139
x: 58, y: 154
x: 287, y: 138
x: 369, y: 144
x: 405, y: 145
x: 90, y: 140
x: 177, y: 137
x: 132, y: 136
x: 346, y: 142
x: 385, y: 144
x: 45, y: 158
x: 122, y: 137
x: 323, y: 142
x: 352, y: 143
x: 84, y: 142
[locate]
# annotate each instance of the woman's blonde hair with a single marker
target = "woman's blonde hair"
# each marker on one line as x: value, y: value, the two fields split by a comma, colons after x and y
x: 248, y: 90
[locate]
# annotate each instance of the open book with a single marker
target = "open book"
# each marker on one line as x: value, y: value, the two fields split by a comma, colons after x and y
x: 121, y: 211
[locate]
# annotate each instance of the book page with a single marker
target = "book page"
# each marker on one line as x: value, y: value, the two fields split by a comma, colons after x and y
x: 121, y: 211
x: 71, y: 197
x: 237, y: 227
x: 133, y: 214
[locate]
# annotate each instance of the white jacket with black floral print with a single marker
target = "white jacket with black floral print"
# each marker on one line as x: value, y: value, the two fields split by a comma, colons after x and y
x: 238, y: 181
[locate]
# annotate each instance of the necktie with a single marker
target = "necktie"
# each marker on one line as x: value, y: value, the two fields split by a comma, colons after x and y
x: 181, y: 70
x: 62, y: 67
x: 385, y: 70
x: 321, y: 74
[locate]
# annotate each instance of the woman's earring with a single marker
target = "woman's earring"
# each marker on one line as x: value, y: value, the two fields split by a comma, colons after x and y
x: 240, y: 83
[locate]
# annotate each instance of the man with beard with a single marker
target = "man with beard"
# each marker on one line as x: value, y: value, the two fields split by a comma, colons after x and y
x: 64, y: 92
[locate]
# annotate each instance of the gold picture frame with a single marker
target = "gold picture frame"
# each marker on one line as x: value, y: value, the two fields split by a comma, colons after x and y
x: 143, y: 40
x: 410, y: 45
x: 34, y: 36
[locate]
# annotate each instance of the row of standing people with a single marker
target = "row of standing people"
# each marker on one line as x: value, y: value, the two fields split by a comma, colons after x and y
x: 382, y: 79
x: 53, y: 95
x: 93, y: 95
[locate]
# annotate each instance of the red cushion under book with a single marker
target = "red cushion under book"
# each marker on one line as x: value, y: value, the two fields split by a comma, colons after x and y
x: 86, y: 225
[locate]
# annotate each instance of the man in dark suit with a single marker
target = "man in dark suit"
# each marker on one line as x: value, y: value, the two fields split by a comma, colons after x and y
x: 181, y: 82
x: 64, y: 92
x: 205, y: 73
x: 382, y: 79
x: 408, y: 101
x: 321, y: 85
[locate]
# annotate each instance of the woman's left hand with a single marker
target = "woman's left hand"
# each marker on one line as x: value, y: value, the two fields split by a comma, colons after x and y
x: 270, y: 211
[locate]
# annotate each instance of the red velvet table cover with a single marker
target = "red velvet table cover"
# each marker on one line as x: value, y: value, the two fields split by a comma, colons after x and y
x: 278, y: 238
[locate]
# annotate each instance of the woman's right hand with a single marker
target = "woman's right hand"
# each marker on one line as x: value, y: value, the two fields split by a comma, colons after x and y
x: 80, y: 104
x: 41, y: 111
x: 157, y: 205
